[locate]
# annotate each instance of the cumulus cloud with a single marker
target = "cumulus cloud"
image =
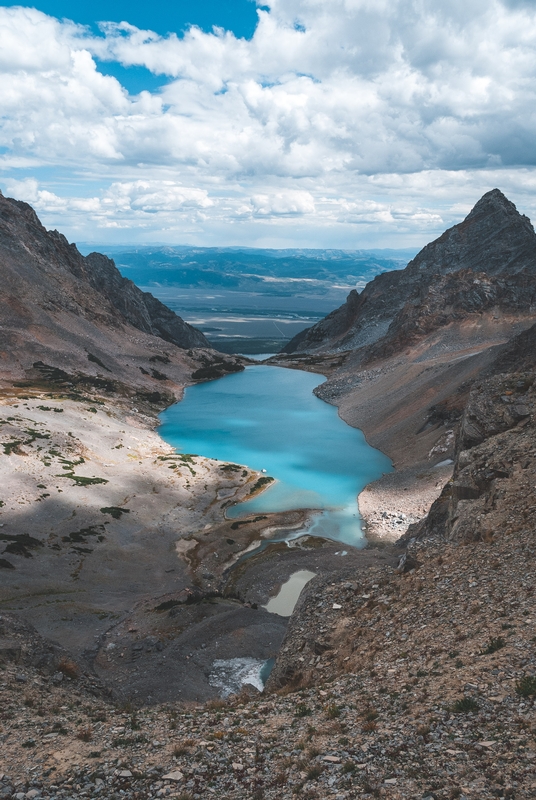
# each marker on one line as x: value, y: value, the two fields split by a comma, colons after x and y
x: 392, y: 114
x: 283, y: 203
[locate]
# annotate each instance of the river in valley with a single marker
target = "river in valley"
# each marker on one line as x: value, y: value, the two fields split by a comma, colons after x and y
x: 267, y: 418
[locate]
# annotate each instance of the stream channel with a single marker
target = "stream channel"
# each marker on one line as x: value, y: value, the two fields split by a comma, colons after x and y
x: 268, y: 419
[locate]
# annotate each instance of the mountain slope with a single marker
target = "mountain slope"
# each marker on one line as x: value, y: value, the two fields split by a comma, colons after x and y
x: 492, y: 487
x: 141, y: 309
x: 494, y: 239
x: 66, y: 318
x: 402, y: 357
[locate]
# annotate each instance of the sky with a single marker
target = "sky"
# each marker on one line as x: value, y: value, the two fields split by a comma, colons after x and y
x: 287, y: 123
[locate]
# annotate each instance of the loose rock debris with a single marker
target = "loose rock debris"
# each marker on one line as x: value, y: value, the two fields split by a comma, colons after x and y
x: 409, y: 685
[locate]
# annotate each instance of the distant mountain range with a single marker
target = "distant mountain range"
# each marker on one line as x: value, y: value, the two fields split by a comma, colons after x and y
x: 274, y: 272
x: 248, y: 300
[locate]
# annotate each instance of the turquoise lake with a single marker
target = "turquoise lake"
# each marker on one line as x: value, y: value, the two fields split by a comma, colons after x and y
x: 268, y: 419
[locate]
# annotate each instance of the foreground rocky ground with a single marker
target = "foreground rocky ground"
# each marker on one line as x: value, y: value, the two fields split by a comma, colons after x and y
x: 102, y: 522
x: 408, y: 684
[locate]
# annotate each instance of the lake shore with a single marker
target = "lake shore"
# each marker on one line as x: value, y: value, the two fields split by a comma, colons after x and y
x: 395, y: 501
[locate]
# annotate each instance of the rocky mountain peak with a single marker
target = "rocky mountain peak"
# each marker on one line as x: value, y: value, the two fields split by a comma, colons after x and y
x: 46, y: 258
x: 495, y: 202
x: 72, y: 320
x: 494, y: 240
x: 494, y: 237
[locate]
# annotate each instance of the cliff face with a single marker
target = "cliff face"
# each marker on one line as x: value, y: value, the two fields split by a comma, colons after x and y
x: 66, y: 318
x: 494, y: 240
x: 492, y: 488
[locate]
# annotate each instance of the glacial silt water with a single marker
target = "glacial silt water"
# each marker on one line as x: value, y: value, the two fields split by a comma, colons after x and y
x: 268, y: 419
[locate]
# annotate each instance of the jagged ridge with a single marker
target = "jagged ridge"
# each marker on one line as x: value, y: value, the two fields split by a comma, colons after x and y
x: 493, y: 239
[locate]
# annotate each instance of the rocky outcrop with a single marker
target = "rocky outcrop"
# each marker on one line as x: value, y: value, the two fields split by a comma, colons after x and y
x: 494, y: 240
x: 69, y: 320
x: 492, y: 488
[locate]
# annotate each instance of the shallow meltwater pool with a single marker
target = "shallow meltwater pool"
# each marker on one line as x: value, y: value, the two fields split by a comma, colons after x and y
x: 267, y: 418
x: 288, y: 595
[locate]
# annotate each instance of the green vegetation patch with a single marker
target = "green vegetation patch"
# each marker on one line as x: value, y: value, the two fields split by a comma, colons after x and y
x: 80, y: 537
x: 115, y: 511
x: 155, y: 398
x: 159, y: 376
x: 260, y: 483
x: 526, y: 687
x: 81, y: 480
x: 121, y: 741
x: 20, y: 544
x: 239, y: 522
x: 13, y: 445
x: 466, y: 705
x: 95, y: 360
x: 68, y: 463
x: 494, y: 644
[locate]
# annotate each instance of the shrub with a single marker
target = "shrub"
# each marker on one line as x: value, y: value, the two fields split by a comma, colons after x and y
x: 68, y: 667
x: 494, y: 644
x: 465, y: 706
x: 85, y: 734
x: 333, y: 711
x: 115, y: 511
x: 314, y: 772
x: 216, y: 704
x: 526, y: 687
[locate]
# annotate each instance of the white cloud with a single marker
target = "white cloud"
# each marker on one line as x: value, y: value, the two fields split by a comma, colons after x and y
x: 391, y: 114
x: 283, y: 203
